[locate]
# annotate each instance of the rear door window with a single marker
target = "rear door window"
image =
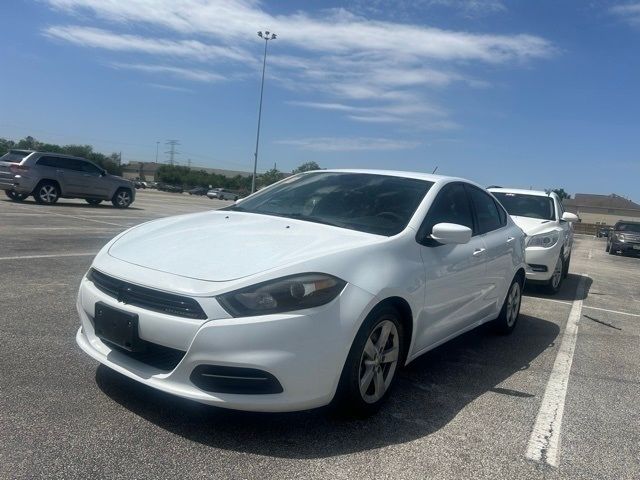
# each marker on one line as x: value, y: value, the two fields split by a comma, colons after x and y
x: 487, y: 213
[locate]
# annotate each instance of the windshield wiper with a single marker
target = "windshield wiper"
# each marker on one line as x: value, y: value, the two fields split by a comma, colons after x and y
x: 234, y: 208
x: 300, y: 216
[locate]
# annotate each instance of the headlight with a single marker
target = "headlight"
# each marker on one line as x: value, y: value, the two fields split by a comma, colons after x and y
x: 285, y: 294
x: 545, y: 240
x: 620, y: 237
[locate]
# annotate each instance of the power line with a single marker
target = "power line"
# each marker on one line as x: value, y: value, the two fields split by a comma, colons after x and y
x: 172, y: 144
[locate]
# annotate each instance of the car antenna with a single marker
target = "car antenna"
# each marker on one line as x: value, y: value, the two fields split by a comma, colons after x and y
x: 434, y: 170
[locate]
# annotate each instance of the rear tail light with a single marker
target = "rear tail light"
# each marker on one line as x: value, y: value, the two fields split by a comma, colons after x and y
x: 18, y: 168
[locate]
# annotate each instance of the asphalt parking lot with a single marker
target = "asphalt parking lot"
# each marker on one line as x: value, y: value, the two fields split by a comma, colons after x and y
x: 482, y: 406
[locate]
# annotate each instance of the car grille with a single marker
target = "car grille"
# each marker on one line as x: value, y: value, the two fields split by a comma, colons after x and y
x: 632, y: 237
x: 147, y: 298
x: 154, y: 355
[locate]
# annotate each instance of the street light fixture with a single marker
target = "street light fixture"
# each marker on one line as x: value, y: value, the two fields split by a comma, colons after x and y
x: 266, y: 36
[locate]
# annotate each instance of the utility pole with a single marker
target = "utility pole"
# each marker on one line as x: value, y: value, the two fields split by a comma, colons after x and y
x: 189, y: 162
x: 266, y: 36
x: 157, y: 146
x: 172, y: 144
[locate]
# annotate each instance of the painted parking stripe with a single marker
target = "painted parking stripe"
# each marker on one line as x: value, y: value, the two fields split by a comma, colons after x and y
x: 544, y: 443
x: 53, y: 255
x: 600, y: 309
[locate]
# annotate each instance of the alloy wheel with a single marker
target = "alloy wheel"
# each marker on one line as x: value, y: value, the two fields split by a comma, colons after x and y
x: 557, y: 274
x: 123, y: 199
x: 48, y: 194
x: 513, y: 303
x: 379, y: 361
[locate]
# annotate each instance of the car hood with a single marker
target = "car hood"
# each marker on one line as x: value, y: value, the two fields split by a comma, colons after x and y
x: 220, y: 246
x: 532, y: 226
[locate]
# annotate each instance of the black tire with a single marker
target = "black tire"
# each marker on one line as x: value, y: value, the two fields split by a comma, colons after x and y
x: 361, y: 364
x: 122, y: 198
x: 612, y: 250
x: 15, y: 196
x: 554, y: 284
x: 606, y: 248
x: 510, y: 311
x: 47, y: 192
x: 93, y: 201
x: 565, y: 272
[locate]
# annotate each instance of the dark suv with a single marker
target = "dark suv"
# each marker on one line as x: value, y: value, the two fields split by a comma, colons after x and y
x: 624, y: 238
x: 50, y: 176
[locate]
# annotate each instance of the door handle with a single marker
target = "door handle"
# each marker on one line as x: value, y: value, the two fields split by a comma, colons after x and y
x: 478, y: 251
x: 510, y: 239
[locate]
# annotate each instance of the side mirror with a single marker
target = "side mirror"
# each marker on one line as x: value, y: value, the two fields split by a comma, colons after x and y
x: 570, y: 217
x: 103, y: 172
x: 451, y: 233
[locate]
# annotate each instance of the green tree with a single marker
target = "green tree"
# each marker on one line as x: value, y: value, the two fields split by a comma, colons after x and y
x: 561, y: 193
x: 306, y: 167
x: 269, y: 177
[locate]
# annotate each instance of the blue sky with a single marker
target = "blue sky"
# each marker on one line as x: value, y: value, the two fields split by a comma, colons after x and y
x: 515, y: 93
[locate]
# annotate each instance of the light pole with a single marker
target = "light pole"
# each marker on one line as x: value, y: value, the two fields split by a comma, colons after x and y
x: 157, y: 146
x: 266, y: 36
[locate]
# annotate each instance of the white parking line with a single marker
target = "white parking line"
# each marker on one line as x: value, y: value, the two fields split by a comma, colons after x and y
x: 562, y: 302
x: 544, y: 443
x: 53, y: 255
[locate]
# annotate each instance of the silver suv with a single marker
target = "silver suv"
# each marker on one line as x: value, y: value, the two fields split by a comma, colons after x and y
x: 50, y: 176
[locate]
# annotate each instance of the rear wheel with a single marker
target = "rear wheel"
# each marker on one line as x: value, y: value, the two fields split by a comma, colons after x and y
x: 93, y: 201
x: 370, y: 369
x: 46, y: 193
x: 506, y: 321
x: 553, y: 286
x: 122, y: 198
x: 15, y: 196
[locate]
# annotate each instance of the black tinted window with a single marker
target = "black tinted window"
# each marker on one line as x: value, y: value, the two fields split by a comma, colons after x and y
x: 522, y: 205
x: 486, y: 211
x: 14, y: 156
x: 503, y: 215
x: 450, y: 206
x: 380, y: 204
x: 628, y: 227
x: 89, y: 168
x: 49, y: 162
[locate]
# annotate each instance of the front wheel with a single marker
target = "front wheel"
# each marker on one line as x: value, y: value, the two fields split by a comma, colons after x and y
x: 553, y: 286
x: 15, y: 196
x: 369, y: 372
x: 122, y: 198
x: 506, y: 321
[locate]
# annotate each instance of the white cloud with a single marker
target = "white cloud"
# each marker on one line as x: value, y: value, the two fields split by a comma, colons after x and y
x: 369, y: 70
x: 628, y: 12
x: 162, y: 70
x: 348, y: 144
x: 171, y: 88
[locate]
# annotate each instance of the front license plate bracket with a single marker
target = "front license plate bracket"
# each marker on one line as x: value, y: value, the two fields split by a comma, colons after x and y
x: 117, y: 327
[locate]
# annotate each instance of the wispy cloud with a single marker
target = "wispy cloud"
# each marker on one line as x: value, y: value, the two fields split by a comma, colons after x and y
x: 348, y: 144
x: 375, y: 71
x: 187, y: 73
x: 171, y: 88
x: 628, y: 12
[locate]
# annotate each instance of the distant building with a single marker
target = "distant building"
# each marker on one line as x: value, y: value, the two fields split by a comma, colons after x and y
x: 602, y: 209
x: 148, y: 171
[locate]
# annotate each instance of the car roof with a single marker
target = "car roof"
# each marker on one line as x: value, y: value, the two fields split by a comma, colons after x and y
x: 627, y: 222
x: 64, y: 155
x: 400, y: 173
x: 521, y: 191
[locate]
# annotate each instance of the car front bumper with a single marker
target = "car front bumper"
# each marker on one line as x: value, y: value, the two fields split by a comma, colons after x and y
x: 541, y: 262
x: 626, y: 247
x: 305, y: 351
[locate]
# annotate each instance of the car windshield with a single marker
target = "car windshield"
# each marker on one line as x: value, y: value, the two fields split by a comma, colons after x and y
x: 14, y: 156
x: 522, y: 205
x: 378, y: 204
x: 628, y: 227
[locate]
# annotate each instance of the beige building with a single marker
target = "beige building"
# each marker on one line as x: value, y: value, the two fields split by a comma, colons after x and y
x: 602, y: 209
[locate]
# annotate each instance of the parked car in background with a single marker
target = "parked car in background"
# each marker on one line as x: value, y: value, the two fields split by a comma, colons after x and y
x: 222, y: 194
x: 549, y: 233
x: 140, y: 184
x: 624, y: 238
x: 319, y: 289
x: 165, y: 187
x: 603, y: 231
x: 198, y: 191
x: 51, y: 176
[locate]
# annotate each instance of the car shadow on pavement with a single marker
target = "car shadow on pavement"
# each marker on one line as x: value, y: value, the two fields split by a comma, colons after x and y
x: 428, y: 394
x: 568, y: 290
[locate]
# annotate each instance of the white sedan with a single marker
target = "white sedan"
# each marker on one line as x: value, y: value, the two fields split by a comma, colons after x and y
x: 549, y: 233
x: 322, y: 287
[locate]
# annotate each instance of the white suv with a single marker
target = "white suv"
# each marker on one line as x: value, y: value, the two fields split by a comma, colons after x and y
x: 549, y: 233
